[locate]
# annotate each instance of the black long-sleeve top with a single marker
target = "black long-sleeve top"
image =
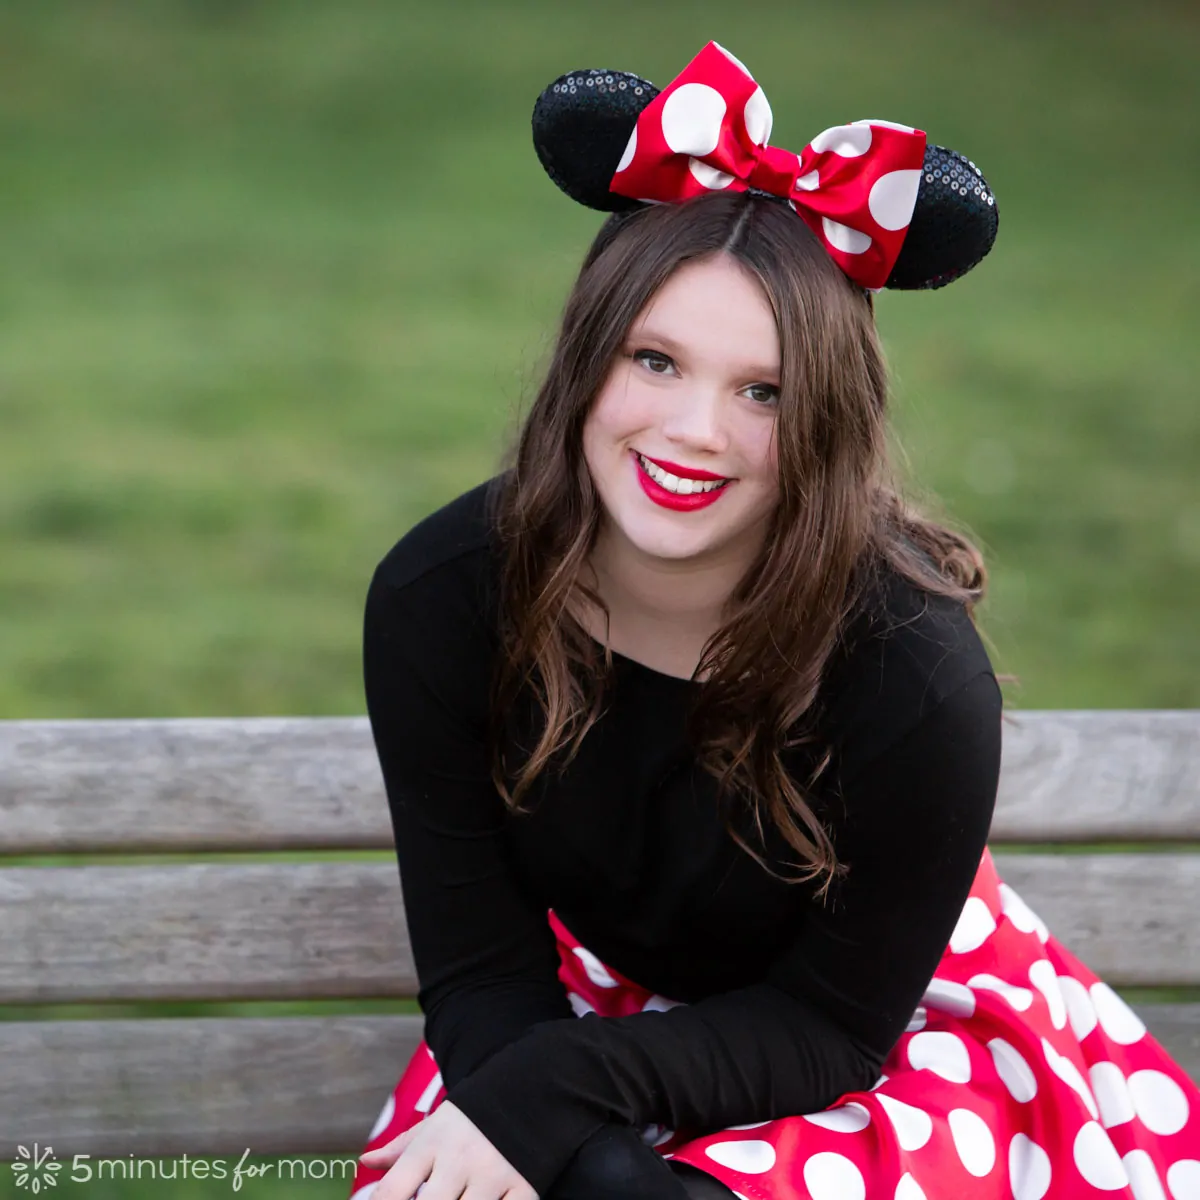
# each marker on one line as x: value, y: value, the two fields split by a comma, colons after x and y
x: 788, y: 1003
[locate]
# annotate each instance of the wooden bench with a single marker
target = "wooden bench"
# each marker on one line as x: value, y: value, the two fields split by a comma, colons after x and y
x: 244, y: 930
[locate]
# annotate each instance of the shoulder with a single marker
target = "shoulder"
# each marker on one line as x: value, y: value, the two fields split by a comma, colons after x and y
x: 904, y: 655
x: 428, y: 620
x: 453, y: 540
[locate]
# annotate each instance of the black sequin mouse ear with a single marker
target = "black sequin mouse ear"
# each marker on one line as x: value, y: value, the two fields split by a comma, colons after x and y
x: 581, y: 125
x: 953, y: 225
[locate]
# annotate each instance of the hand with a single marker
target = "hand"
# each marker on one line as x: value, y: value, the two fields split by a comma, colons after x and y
x: 443, y: 1157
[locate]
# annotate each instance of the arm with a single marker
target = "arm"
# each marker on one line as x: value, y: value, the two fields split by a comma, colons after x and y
x: 829, y: 1010
x: 485, y: 955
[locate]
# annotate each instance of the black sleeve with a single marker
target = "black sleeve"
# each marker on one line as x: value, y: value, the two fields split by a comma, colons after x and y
x: 485, y: 955
x: 829, y: 1010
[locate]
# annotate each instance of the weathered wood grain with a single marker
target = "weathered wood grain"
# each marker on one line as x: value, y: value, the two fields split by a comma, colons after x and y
x: 295, y: 783
x: 325, y: 929
x: 1122, y: 776
x: 219, y: 1086
x: 201, y: 1085
x: 203, y: 931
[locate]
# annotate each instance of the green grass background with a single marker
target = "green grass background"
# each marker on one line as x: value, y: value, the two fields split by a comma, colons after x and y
x: 279, y: 277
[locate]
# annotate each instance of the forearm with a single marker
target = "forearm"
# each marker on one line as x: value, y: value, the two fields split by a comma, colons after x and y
x: 752, y: 1054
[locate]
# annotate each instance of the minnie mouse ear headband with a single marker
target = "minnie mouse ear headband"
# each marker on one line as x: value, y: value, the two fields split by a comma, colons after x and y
x: 891, y: 210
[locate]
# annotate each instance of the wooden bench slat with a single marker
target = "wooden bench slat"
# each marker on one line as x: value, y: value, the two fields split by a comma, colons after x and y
x: 297, y: 783
x: 217, y: 1086
x: 202, y: 1085
x: 325, y: 929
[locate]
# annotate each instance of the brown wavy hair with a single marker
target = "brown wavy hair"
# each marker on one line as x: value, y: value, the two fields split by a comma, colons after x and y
x: 840, y: 516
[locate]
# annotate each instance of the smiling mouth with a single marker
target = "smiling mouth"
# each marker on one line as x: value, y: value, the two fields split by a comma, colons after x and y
x: 680, y: 486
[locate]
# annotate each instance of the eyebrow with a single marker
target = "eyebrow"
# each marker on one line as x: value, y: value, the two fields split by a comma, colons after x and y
x: 676, y: 348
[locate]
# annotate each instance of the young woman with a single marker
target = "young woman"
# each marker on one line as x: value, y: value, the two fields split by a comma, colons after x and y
x: 691, y: 744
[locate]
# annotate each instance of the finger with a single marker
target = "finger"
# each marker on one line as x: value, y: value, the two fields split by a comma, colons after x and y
x: 404, y: 1182
x: 441, y: 1185
x: 385, y: 1155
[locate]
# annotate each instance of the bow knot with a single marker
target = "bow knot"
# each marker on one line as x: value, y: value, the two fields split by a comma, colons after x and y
x: 855, y: 185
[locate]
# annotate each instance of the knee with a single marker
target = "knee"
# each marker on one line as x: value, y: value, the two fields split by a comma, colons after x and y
x: 700, y: 1185
x: 615, y: 1164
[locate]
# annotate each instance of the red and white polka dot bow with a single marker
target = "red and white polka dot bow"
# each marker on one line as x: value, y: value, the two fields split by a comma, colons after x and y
x: 854, y: 185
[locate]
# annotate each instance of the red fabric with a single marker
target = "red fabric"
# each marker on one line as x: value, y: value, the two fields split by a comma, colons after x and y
x: 854, y: 185
x: 1022, y: 1076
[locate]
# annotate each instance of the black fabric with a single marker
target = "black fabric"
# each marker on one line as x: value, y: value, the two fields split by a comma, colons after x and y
x: 785, y: 1004
x: 616, y: 1164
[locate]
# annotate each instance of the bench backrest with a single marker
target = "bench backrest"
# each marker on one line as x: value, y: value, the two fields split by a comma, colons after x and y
x: 286, y: 930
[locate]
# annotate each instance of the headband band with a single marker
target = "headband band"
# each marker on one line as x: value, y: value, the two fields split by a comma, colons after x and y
x: 890, y: 209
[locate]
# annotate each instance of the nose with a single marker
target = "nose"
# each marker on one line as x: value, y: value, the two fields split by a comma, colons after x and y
x: 697, y: 421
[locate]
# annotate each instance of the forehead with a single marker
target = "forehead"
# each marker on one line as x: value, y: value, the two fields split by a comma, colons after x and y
x: 713, y: 309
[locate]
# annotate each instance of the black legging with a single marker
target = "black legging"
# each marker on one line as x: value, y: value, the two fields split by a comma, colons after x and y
x: 615, y: 1164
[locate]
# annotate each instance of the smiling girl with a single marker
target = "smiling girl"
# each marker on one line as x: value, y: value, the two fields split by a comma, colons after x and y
x: 691, y: 744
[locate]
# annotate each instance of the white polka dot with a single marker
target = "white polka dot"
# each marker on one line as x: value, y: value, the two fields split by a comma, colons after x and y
x: 847, y: 1118
x: 917, y: 1020
x: 1015, y: 1073
x: 758, y: 118
x: 831, y: 1176
x: 365, y: 1193
x: 733, y: 58
x: 1019, y: 998
x: 425, y: 1099
x: 908, y: 1189
x: 943, y: 1053
x: 1042, y: 976
x: 751, y: 1125
x: 879, y: 1082
x: 1080, y: 1009
x: 597, y: 972
x: 893, y: 197
x: 849, y: 141
x: 630, y: 151
x: 955, y: 998
x: 1112, y: 1094
x: 1068, y: 1072
x: 1020, y: 914
x: 975, y: 925
x: 1028, y: 1169
x: 658, y: 1003
x: 578, y: 1004
x: 886, y: 124
x: 1183, y: 1178
x: 1143, y: 1178
x: 1119, y: 1022
x: 913, y: 1126
x: 1097, y: 1159
x: 1158, y: 1101
x: 974, y: 1143
x: 842, y: 237
x: 753, y: 1157
x: 809, y: 182
x: 710, y: 177
x: 384, y: 1119
x: 691, y: 118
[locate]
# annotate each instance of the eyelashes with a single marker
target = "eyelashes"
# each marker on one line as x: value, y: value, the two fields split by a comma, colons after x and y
x: 644, y: 355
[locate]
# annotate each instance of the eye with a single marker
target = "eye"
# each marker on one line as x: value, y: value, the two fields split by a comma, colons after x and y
x: 772, y: 392
x: 649, y: 357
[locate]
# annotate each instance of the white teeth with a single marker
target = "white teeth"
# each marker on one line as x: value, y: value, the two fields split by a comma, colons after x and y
x: 682, y: 487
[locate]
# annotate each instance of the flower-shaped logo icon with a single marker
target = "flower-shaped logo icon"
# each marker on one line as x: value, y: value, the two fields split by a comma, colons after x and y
x: 37, y: 1169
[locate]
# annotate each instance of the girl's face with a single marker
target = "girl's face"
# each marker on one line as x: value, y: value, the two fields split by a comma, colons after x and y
x: 696, y: 385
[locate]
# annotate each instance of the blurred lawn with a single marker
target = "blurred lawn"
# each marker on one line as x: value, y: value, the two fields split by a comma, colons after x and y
x: 278, y: 278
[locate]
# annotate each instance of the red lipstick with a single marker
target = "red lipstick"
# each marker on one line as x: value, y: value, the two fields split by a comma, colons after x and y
x: 673, y: 500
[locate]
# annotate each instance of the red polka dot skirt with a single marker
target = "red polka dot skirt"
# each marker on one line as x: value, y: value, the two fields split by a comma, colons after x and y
x: 1021, y: 1076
